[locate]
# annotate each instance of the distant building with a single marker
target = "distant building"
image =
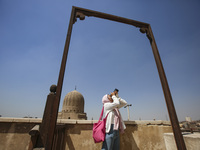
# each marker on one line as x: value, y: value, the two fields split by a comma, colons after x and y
x: 188, y: 119
x: 73, y: 107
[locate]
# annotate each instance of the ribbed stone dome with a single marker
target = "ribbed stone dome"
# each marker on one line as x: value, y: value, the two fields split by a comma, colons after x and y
x: 73, y: 102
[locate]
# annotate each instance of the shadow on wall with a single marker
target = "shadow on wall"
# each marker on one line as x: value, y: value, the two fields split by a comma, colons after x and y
x: 16, y: 127
x: 14, y: 135
x: 127, y: 140
x: 59, y: 138
x: 78, y: 137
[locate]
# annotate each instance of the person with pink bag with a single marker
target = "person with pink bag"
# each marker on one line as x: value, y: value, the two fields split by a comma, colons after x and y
x: 114, y: 123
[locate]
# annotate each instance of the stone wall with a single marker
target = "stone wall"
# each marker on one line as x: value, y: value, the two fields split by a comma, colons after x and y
x: 192, y: 141
x: 77, y: 134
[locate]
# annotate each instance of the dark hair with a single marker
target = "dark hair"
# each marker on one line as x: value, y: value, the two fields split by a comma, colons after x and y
x: 116, y: 90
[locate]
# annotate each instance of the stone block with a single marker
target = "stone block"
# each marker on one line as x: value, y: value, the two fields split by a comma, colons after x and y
x: 192, y: 141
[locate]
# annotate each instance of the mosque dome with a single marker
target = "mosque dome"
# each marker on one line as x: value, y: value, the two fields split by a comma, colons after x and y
x: 73, y: 102
x: 73, y: 106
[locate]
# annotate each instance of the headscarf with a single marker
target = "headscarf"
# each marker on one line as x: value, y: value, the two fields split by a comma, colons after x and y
x: 105, y: 99
x: 118, y: 121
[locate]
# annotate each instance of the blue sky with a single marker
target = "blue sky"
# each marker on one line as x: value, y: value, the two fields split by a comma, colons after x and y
x: 103, y: 55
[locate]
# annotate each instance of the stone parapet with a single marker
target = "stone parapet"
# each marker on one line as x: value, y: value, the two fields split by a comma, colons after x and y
x: 77, y: 134
x: 73, y: 121
x: 21, y: 120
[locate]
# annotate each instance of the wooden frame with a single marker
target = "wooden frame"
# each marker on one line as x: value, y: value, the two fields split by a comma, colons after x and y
x: 144, y: 28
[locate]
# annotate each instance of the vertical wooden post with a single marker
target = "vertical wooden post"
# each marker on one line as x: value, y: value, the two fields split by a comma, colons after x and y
x: 47, y: 125
x: 55, y: 106
x: 168, y: 98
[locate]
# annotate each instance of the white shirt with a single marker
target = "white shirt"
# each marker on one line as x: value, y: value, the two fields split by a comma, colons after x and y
x: 108, y: 107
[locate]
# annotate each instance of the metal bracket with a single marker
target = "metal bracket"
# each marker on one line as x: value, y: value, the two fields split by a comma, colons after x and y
x: 79, y: 15
x: 145, y: 30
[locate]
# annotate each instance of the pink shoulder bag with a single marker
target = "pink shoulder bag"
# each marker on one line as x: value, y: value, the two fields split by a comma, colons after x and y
x: 99, y: 129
